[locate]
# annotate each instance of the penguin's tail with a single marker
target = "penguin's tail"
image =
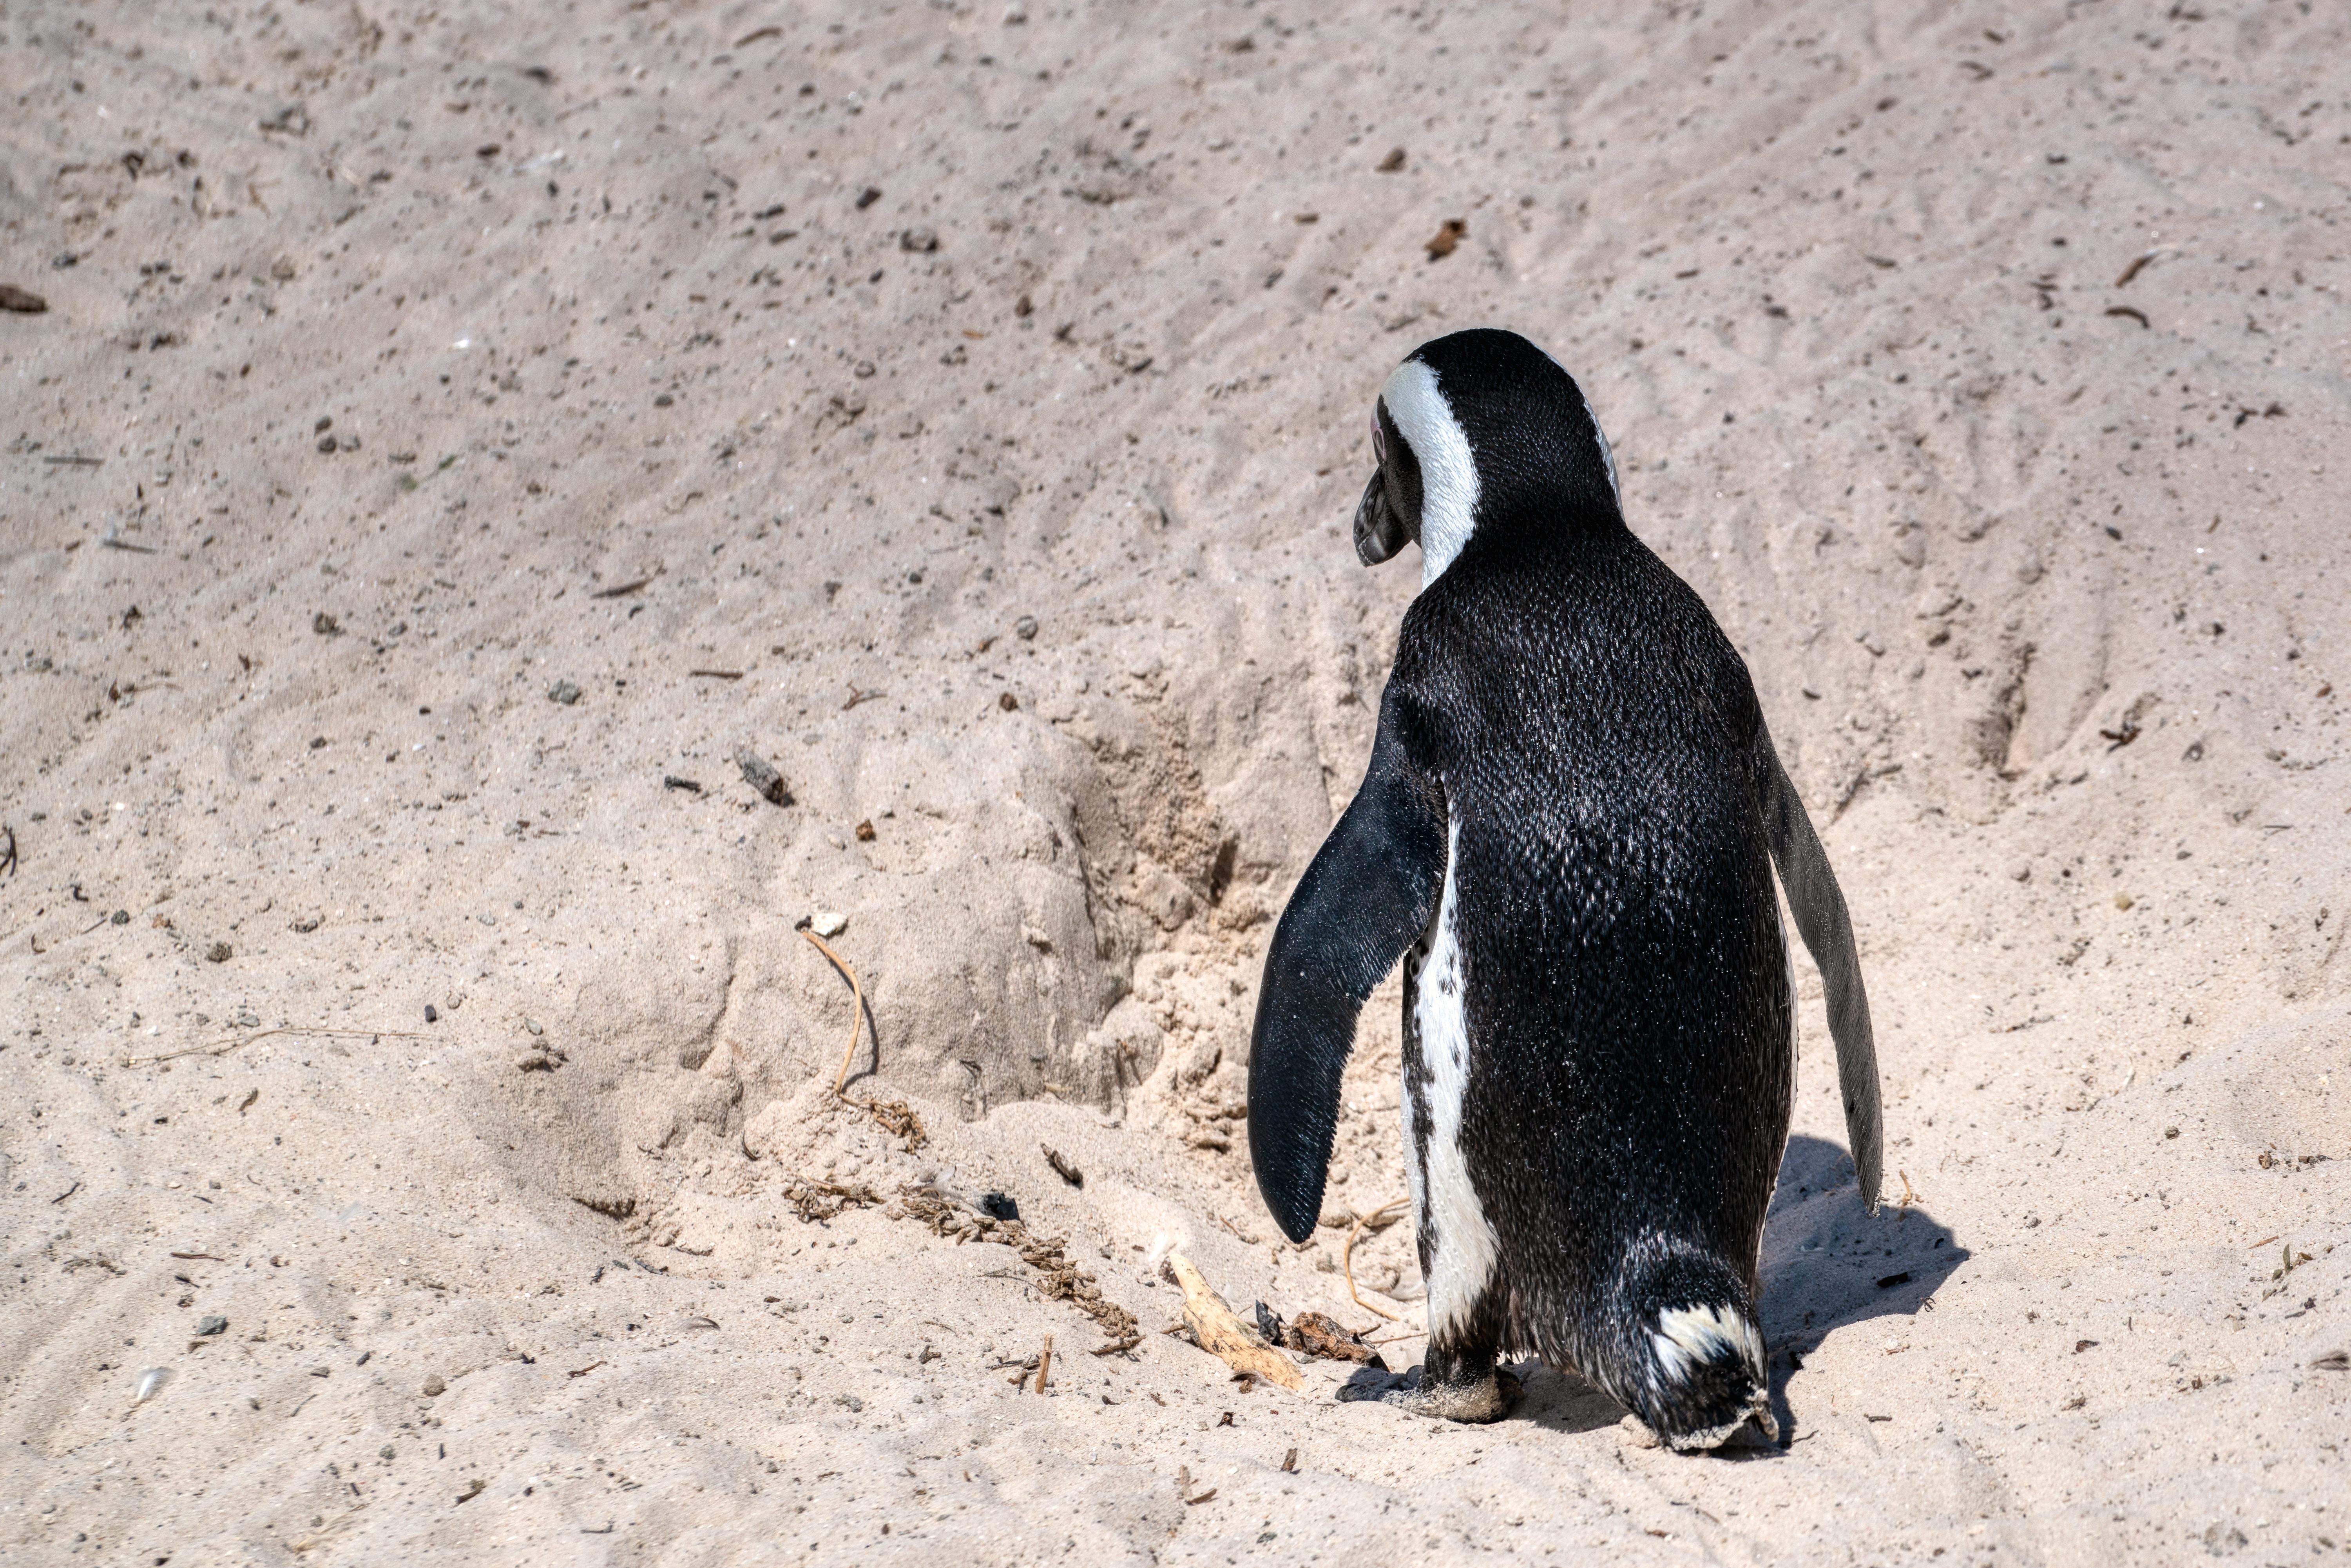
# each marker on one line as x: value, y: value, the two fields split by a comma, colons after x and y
x: 1687, y: 1348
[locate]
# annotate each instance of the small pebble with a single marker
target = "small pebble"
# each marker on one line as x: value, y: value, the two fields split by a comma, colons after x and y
x: 564, y: 692
x: 1007, y: 701
x: 828, y: 923
x: 432, y: 1014
x: 761, y: 775
x: 122, y: 918
x: 434, y: 1388
x: 210, y: 1325
x: 919, y: 240
x: 532, y: 1025
x: 219, y: 953
x: 1025, y: 628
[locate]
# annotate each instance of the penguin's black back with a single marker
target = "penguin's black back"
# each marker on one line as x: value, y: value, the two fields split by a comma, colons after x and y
x: 1625, y: 979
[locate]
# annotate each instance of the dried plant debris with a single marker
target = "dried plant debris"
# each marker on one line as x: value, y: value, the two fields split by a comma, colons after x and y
x: 1063, y: 1169
x: 898, y: 1118
x: 1317, y: 1336
x: 949, y: 1213
x: 819, y: 1200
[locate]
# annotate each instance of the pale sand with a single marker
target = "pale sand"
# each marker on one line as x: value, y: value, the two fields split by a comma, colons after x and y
x: 587, y: 296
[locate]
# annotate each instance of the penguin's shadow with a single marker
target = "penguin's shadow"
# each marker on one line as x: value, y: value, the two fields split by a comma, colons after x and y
x: 1829, y: 1264
x: 1561, y: 1402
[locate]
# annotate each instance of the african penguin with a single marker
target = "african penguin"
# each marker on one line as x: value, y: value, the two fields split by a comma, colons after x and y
x: 1567, y: 832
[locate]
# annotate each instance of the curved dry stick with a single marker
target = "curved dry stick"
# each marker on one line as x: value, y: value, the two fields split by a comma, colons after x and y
x: 243, y: 1040
x: 856, y: 1011
x: 1347, y: 1260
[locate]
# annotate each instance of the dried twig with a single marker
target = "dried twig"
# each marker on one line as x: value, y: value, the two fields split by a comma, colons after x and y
x: 243, y: 1040
x: 2140, y: 261
x: 895, y: 1116
x: 1044, y: 1362
x: 1224, y: 1335
x: 1398, y: 1339
x: 856, y: 1011
x: 1347, y: 1258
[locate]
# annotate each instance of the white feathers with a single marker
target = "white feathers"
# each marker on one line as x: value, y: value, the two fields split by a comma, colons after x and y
x: 1687, y: 1337
x: 1461, y: 1261
x: 1448, y: 469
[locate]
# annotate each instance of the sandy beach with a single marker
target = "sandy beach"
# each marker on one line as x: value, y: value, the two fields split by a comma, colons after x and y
x: 439, y: 443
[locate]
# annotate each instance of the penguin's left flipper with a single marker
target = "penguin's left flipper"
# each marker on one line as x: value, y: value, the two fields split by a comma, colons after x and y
x: 1368, y: 894
x: 1827, y: 930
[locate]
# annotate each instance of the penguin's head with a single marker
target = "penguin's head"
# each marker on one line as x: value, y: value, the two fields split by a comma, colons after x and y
x: 1481, y: 431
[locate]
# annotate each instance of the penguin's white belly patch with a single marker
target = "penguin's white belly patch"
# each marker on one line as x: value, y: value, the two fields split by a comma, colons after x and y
x: 1461, y: 1261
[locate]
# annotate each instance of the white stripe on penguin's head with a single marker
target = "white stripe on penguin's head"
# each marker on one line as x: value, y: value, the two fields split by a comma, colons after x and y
x: 1448, y: 470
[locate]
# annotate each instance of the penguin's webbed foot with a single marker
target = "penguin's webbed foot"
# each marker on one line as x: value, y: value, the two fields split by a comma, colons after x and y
x: 1476, y: 1400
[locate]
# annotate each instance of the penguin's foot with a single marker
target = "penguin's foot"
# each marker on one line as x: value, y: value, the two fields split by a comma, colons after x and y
x: 1476, y: 1400
x: 1755, y: 1429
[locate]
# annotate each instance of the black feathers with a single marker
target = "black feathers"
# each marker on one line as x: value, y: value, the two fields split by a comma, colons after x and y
x: 1367, y: 895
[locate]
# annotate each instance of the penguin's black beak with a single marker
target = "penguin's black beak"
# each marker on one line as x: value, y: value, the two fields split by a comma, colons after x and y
x: 1379, y: 532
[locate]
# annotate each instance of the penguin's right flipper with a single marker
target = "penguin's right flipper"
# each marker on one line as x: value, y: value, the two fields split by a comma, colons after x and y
x: 1368, y: 894
x: 1827, y: 931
